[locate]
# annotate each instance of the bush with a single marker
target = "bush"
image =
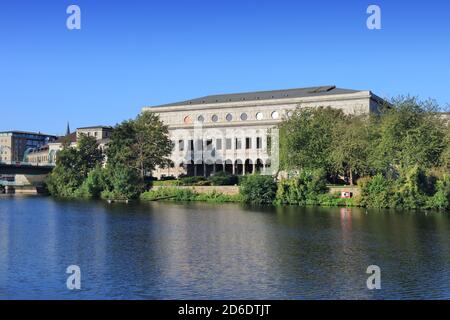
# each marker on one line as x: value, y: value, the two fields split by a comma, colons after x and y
x: 441, y: 199
x: 180, y: 194
x: 94, y: 184
x: 302, y: 190
x: 218, y: 197
x: 335, y: 200
x: 223, y: 179
x: 122, y: 182
x: 191, y: 181
x: 376, y: 192
x: 176, y: 194
x: 166, y: 183
x: 410, y: 189
x: 258, y: 189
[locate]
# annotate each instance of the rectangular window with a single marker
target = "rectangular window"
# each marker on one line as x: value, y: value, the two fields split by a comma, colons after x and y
x: 191, y: 145
x: 209, y: 144
x: 248, y: 143
x: 258, y: 143
x: 238, y: 143
x: 181, y: 145
x: 228, y: 144
x: 219, y: 144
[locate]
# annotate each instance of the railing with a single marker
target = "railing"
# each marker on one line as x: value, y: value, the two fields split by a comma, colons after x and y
x: 27, y: 164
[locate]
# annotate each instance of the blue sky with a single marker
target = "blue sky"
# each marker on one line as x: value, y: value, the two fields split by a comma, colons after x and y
x: 132, y: 53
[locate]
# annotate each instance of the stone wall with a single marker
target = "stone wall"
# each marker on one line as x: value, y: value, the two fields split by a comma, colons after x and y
x: 228, y: 190
x: 338, y: 189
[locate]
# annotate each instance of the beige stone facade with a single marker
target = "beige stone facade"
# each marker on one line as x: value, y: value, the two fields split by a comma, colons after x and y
x: 234, y: 133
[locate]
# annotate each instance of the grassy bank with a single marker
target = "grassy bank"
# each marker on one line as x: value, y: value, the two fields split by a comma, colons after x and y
x: 177, y: 194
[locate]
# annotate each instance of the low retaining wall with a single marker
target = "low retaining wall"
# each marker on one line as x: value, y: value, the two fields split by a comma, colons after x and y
x: 228, y: 190
x: 338, y: 189
x: 233, y: 190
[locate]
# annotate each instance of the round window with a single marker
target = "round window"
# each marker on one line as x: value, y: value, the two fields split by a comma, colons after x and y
x: 215, y: 118
x: 259, y: 116
x: 229, y: 117
x: 187, y: 119
x: 244, y: 116
x: 290, y: 113
x: 200, y: 118
x: 275, y: 115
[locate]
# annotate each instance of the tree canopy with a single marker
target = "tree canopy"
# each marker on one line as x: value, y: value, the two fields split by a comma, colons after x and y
x: 407, y: 132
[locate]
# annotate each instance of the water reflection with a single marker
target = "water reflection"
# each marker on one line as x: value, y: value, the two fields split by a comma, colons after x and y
x: 206, y: 251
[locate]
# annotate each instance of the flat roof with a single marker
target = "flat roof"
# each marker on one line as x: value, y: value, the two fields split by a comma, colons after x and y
x: 265, y: 95
x: 29, y: 132
x: 96, y: 127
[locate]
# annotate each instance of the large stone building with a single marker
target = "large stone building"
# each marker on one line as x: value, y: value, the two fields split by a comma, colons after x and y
x: 15, y: 145
x: 237, y: 132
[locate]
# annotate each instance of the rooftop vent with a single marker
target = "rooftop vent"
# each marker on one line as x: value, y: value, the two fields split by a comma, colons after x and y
x: 322, y: 89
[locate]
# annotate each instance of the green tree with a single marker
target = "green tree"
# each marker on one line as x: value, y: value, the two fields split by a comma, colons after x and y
x: 350, y: 147
x: 73, y: 165
x: 445, y: 157
x: 306, y: 138
x: 89, y: 155
x: 410, y: 133
x: 258, y: 189
x: 141, y: 144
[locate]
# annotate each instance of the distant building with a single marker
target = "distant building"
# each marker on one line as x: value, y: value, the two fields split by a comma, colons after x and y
x: 39, y: 156
x: 231, y: 132
x: 15, y: 145
x: 49, y: 152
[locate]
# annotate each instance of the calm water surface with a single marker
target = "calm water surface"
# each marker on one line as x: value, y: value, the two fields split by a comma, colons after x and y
x: 207, y: 251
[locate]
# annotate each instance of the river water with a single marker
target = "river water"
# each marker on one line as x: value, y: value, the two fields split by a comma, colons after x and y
x: 218, y: 251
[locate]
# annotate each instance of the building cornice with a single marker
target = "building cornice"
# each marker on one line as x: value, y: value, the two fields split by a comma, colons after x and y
x: 260, y: 103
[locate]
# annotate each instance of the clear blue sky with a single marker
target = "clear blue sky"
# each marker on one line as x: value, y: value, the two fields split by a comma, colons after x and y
x: 132, y: 53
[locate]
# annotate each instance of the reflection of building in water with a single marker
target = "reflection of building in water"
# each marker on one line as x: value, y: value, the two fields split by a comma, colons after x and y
x: 233, y: 130
x: 346, y: 219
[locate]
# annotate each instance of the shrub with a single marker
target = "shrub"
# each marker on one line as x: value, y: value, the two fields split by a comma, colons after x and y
x: 410, y: 189
x: 123, y: 182
x: 223, y: 179
x: 94, y: 184
x: 176, y: 194
x: 218, y: 197
x: 376, y: 192
x: 191, y: 181
x: 166, y: 183
x: 258, y: 189
x: 303, y: 189
x: 441, y: 199
x: 334, y: 200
